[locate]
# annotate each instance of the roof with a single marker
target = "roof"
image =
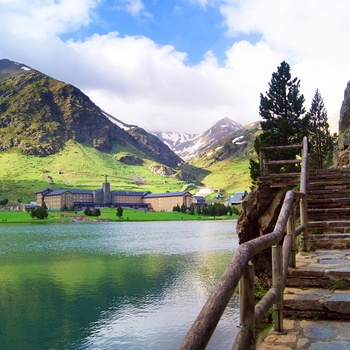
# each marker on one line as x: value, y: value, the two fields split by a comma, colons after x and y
x: 129, y: 193
x: 167, y: 194
x: 81, y: 191
x: 237, y: 197
x: 56, y: 192
x: 44, y: 190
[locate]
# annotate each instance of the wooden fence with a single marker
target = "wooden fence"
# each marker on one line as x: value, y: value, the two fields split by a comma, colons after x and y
x: 241, y: 271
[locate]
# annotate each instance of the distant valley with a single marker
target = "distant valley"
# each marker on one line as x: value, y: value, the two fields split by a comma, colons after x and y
x: 51, y: 134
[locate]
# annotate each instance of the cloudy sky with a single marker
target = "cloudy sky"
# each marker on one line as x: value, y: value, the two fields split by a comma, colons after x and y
x: 181, y: 65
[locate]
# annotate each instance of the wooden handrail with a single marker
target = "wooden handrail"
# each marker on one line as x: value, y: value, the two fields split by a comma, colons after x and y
x: 208, y: 318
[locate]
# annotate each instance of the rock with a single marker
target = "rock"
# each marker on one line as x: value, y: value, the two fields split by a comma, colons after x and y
x: 344, y: 130
x: 259, y: 213
x: 161, y: 170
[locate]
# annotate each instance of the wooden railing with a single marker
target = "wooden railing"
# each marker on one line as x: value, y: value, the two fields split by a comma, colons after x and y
x: 265, y: 162
x: 241, y: 271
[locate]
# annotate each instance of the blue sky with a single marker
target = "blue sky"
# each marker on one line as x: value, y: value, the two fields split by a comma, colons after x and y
x: 188, y: 27
x: 181, y: 65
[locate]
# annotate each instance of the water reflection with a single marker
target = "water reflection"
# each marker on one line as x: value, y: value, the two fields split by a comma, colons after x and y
x: 110, y: 286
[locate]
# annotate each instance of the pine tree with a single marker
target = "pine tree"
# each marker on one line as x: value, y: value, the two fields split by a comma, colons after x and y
x: 282, y: 111
x: 321, y: 142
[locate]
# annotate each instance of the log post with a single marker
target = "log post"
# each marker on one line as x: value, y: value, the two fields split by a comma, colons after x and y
x: 291, y: 231
x: 303, y: 219
x: 247, y: 303
x: 263, y: 167
x: 277, y: 282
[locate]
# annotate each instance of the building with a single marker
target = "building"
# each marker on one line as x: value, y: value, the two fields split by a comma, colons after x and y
x: 199, y: 201
x: 237, y: 197
x: 58, y: 199
x: 130, y: 199
x: 167, y: 201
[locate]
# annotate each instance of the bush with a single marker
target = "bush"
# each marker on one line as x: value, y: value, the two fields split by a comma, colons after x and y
x: 4, y: 201
x: 94, y: 212
x: 39, y: 213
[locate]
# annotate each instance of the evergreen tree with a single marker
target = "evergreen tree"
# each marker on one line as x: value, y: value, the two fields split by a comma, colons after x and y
x: 320, y: 140
x: 282, y: 111
x: 192, y: 209
x: 87, y: 211
x: 119, y: 212
x: 39, y: 213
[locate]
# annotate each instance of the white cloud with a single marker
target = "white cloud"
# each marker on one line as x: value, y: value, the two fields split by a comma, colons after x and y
x: 40, y: 19
x: 135, y: 7
x: 310, y: 35
x: 141, y: 82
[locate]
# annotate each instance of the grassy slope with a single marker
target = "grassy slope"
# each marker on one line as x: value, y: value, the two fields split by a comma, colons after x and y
x: 228, y: 176
x: 82, y: 167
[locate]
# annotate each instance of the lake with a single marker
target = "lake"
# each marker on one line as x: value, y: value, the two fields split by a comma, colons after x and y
x: 126, y: 285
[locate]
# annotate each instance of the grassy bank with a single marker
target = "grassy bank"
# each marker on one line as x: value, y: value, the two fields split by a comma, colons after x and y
x: 108, y: 214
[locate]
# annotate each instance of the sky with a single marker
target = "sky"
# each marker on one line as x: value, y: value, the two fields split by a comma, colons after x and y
x: 182, y: 65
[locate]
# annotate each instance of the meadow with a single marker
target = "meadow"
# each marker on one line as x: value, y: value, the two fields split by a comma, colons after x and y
x: 107, y: 214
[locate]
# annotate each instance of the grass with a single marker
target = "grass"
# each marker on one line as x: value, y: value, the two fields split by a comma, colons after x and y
x: 228, y: 176
x: 25, y: 218
x: 79, y: 167
x: 107, y: 214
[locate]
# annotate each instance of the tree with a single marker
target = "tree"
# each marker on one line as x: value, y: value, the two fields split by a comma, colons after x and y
x: 119, y: 212
x: 39, y: 213
x: 192, y: 209
x: 183, y: 208
x: 320, y: 140
x: 87, y: 211
x: 96, y: 212
x: 282, y: 111
x: 177, y: 208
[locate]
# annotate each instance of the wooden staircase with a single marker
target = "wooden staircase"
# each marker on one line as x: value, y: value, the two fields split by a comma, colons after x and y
x: 319, y: 286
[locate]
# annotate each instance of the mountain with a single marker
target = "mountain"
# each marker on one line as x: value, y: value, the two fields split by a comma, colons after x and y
x: 239, y: 143
x: 39, y: 114
x: 227, y: 162
x: 52, y: 134
x: 187, y: 146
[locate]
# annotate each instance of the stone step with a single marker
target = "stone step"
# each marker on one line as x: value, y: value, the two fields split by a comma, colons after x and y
x: 330, y: 241
x: 328, y: 214
x: 317, y: 303
x: 335, y: 172
x: 317, y: 287
x: 326, y: 202
x: 329, y: 226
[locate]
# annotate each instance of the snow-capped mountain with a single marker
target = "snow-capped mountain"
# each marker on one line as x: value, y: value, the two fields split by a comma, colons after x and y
x: 187, y: 146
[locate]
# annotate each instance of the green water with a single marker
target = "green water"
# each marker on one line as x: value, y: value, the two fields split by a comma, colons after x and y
x: 110, y: 285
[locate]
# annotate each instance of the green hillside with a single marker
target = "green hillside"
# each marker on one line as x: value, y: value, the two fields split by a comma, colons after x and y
x: 227, y: 162
x: 77, y: 166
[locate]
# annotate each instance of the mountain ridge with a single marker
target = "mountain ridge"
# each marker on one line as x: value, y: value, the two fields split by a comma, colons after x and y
x: 187, y: 145
x: 38, y: 114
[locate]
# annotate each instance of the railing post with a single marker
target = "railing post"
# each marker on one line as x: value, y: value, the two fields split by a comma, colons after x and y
x: 303, y: 219
x: 291, y: 231
x: 263, y: 168
x: 247, y: 303
x: 277, y: 282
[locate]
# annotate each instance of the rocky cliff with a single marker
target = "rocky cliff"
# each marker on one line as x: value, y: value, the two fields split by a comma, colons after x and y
x: 344, y: 130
